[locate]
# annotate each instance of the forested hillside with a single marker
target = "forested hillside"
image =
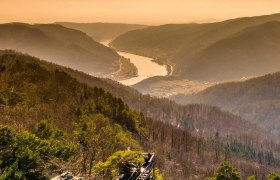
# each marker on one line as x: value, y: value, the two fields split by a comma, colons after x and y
x: 42, y: 105
x: 208, y: 52
x: 64, y: 46
x: 54, y: 107
x: 103, y: 31
x: 193, y: 117
x: 256, y: 99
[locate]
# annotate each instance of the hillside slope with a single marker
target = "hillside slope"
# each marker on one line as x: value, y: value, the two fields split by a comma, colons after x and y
x: 251, y: 52
x: 39, y: 107
x: 102, y: 31
x: 60, y: 45
x: 189, y: 45
x: 192, y: 117
x: 32, y: 90
x: 256, y: 100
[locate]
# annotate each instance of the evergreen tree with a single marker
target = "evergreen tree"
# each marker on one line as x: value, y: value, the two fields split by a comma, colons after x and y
x: 274, y: 176
x: 226, y: 171
x: 25, y: 156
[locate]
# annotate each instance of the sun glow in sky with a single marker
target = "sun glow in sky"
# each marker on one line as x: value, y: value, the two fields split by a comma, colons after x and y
x: 132, y: 11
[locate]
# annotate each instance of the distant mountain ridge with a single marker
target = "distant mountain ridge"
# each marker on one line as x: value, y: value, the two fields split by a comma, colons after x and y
x: 103, y: 31
x: 208, y: 52
x: 252, y: 51
x: 60, y: 45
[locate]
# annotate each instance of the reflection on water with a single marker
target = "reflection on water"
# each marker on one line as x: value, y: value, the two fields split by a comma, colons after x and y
x: 146, y: 67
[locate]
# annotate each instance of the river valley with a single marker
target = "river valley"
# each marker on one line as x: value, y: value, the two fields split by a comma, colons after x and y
x: 145, y: 66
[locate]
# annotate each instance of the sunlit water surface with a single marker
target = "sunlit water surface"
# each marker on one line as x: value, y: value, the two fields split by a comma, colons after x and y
x: 146, y: 67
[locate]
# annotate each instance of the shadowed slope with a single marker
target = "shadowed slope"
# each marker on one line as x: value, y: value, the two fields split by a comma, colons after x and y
x: 61, y: 45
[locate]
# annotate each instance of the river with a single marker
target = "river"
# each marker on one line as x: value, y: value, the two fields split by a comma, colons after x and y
x: 146, y: 67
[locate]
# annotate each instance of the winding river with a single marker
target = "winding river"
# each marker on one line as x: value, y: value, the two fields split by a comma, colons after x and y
x: 146, y: 67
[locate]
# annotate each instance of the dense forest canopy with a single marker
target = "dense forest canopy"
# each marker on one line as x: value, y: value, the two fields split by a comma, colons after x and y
x: 44, y: 102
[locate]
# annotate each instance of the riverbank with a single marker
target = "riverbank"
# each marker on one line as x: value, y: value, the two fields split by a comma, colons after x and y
x: 146, y: 67
x: 126, y: 70
x: 169, y: 65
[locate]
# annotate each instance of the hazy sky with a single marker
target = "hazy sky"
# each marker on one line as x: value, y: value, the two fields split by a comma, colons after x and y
x: 132, y: 11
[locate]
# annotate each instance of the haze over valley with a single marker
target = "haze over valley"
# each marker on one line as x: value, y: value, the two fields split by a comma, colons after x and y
x: 60, y: 45
x: 136, y: 90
